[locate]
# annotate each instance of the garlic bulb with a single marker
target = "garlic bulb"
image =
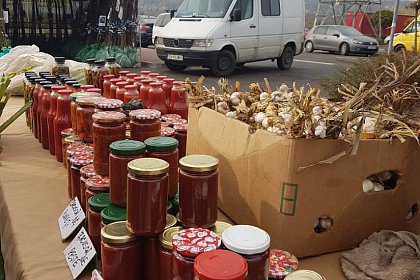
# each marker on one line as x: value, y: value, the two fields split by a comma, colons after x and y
x: 377, y: 187
x: 326, y: 223
x: 231, y: 114
x: 317, y: 111
x: 284, y: 88
x: 265, y: 123
x: 285, y: 116
x: 264, y: 96
x: 260, y: 117
x: 321, y: 130
x: 369, y: 125
x: 367, y: 186
x: 222, y: 107
x: 235, y: 98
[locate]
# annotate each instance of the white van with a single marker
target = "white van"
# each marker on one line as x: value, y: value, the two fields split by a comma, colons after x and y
x: 221, y: 34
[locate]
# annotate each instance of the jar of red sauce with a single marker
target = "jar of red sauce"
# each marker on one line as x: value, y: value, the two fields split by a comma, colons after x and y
x: 84, y: 88
x: 35, y: 103
x: 178, y: 103
x: 181, y: 136
x: 147, y: 194
x: 113, y: 214
x: 150, y: 257
x: 113, y: 88
x: 167, y: 131
x: 96, y: 204
x: 96, y: 185
x: 123, y: 75
x: 44, y: 115
x: 144, y: 92
x: 108, y: 127
x: 107, y: 105
x: 198, y: 187
x: 166, y: 148
x: 156, y: 99
x: 77, y: 162
x: 165, y: 253
x: 137, y: 82
x: 187, y: 245
x: 65, y: 133
x: 107, y: 85
x: 73, y: 150
x: 167, y: 87
x: 86, y: 172
x: 122, y: 152
x: 121, y: 253
x: 62, y: 120
x: 85, y: 110
x: 160, y: 78
x: 73, y: 107
x: 130, y: 78
x: 96, y: 91
x: 130, y: 93
x: 153, y: 76
x: 50, y: 118
x: 175, y: 205
x: 144, y: 123
x: 220, y: 264
x: 39, y: 108
x: 172, y: 122
x: 145, y: 74
x: 253, y: 244
x: 121, y: 90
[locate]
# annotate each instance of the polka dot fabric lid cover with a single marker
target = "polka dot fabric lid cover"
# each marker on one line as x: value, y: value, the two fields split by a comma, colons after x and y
x: 170, y: 117
x: 181, y: 127
x: 109, y: 104
x: 67, y: 132
x: 194, y: 241
x: 282, y: 263
x: 145, y: 114
x: 79, y: 149
x: 173, y: 122
x: 98, y: 181
x: 87, y: 171
x: 167, y: 131
x: 82, y: 159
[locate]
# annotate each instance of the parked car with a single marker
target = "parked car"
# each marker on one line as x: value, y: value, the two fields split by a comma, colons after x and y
x: 160, y: 23
x: 145, y: 29
x: 405, y: 40
x: 388, y: 38
x: 340, y: 38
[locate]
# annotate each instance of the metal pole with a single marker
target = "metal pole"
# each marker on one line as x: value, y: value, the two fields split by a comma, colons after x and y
x: 394, y: 25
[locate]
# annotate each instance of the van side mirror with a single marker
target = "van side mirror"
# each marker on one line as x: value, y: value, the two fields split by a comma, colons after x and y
x: 172, y: 13
x: 236, y: 15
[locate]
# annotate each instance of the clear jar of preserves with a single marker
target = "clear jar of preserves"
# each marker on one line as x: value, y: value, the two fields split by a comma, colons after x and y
x: 113, y: 66
x: 85, y: 110
x: 77, y: 162
x: 64, y: 144
x: 153, y: 76
x: 156, y: 99
x: 46, y: 97
x: 145, y: 74
x: 96, y: 204
x: 113, y: 88
x: 34, y: 109
x: 73, y: 150
x: 123, y: 75
x: 108, y: 127
x: 51, y: 115
x: 198, y: 188
x: 220, y: 264
x: 113, y: 214
x: 99, y: 72
x: 187, y: 245
x: 167, y: 131
x: 108, y: 105
x: 107, y: 85
x: 147, y: 194
x: 144, y: 92
x: 165, y: 253
x: 137, y: 82
x: 181, y: 136
x: 60, y: 67
x: 39, y: 108
x: 88, y: 70
x: 96, y: 185
x: 166, y: 148
x: 121, y: 251
x: 178, y: 104
x: 86, y: 172
x: 144, y: 123
x: 130, y: 78
x: 253, y: 244
x: 122, y: 152
x: 121, y: 90
x: 62, y: 120
x: 167, y: 87
x: 130, y: 93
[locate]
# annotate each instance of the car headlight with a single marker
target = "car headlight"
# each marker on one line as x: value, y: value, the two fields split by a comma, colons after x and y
x: 159, y: 41
x: 357, y: 42
x: 203, y: 43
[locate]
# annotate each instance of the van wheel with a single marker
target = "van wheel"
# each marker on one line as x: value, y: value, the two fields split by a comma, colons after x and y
x: 344, y: 49
x: 286, y: 60
x: 175, y: 67
x: 225, y: 64
x: 399, y: 48
x: 309, y: 47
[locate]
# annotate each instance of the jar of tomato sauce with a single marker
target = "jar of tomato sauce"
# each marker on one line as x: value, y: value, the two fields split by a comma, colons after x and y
x: 85, y: 110
x: 153, y: 76
x: 220, y: 264
x: 144, y: 92
x: 187, y: 245
x: 73, y: 107
x: 167, y: 131
x: 123, y: 75
x: 130, y: 93
x: 62, y: 120
x: 107, y: 85
x: 147, y: 194
x: 167, y: 87
x: 198, y: 187
x: 150, y: 257
x: 175, y: 205
x: 156, y: 99
x: 95, y: 185
x: 75, y: 149
x: 39, y: 108
x: 160, y: 78
x: 44, y: 116
x: 121, y: 253
x: 35, y: 94
x: 108, y: 127
x: 96, y: 204
x: 144, y: 74
x: 122, y: 152
x: 144, y: 123
x: 181, y: 136
x: 95, y: 91
x: 84, y: 88
x: 113, y: 214
x: 107, y: 105
x: 165, y: 252
x: 50, y: 118
x: 130, y: 78
x: 178, y: 104
x: 166, y: 148
x: 120, y: 92
x: 86, y: 172
x: 64, y: 134
x: 113, y: 88
x: 77, y: 162
x: 137, y: 82
x: 253, y: 244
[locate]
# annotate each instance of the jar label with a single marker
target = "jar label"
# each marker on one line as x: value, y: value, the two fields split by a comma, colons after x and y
x: 71, y: 219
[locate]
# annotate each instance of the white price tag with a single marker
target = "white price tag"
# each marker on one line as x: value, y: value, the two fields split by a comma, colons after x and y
x: 71, y: 218
x: 79, y: 253
x: 6, y: 16
x: 96, y: 275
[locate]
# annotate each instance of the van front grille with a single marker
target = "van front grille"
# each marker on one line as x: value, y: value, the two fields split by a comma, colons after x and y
x: 178, y: 43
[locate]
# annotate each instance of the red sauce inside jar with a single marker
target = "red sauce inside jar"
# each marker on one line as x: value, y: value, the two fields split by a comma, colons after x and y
x: 144, y: 92
x: 62, y: 120
x: 85, y: 110
x: 150, y: 265
x: 181, y: 136
x: 40, y: 108
x: 156, y: 98
x: 178, y: 103
x: 138, y: 82
x: 34, y: 109
x: 51, y: 115
x: 86, y: 172
x: 120, y: 92
x: 165, y: 253
x: 107, y: 85
x: 130, y: 93
x: 77, y: 162
x: 95, y: 205
x: 113, y: 88
x: 167, y: 87
x: 46, y: 97
x: 130, y: 78
x: 144, y: 123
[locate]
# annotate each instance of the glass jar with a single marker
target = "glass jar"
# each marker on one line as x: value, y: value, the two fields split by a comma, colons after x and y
x: 77, y: 87
x: 153, y: 76
x: 107, y: 85
x: 108, y: 127
x: 88, y: 71
x: 123, y: 75
x: 173, y: 122
x: 220, y: 264
x: 165, y: 148
x: 219, y: 227
x: 35, y: 94
x: 99, y: 72
x: 169, y: 118
x: 160, y: 78
x: 167, y: 131
x: 253, y: 244
x: 84, y: 88
x: 39, y: 108
x: 84, y: 112
x: 108, y: 105
x: 147, y: 194
x: 187, y: 245
x: 156, y: 99
x: 178, y: 103
x: 130, y: 78
x: 145, y: 73
x: 62, y: 120
x: 70, y: 85
x: 175, y: 205
x: 121, y: 253
x: 120, y: 92
x: 130, y: 93
x: 86, y: 172
x: 51, y: 115
x: 137, y: 82
x: 165, y: 253
x: 113, y: 66
x: 95, y: 185
x: 46, y: 97
x: 60, y: 67
x: 73, y: 108
x: 96, y: 204
x: 73, y: 150
x: 66, y: 133
x: 77, y: 162
x: 122, y: 152
x: 167, y: 87
x: 144, y: 92
x: 144, y: 123
x: 95, y: 91
x: 113, y: 214
x: 181, y: 136
x: 198, y: 187
x: 150, y: 265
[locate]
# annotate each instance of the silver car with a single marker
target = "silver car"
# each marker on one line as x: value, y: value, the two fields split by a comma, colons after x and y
x: 340, y: 38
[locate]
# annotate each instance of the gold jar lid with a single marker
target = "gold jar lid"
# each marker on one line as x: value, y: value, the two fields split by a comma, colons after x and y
x: 165, y: 238
x: 117, y: 233
x: 148, y: 166
x: 170, y: 221
x: 304, y: 274
x: 220, y: 227
x: 198, y: 163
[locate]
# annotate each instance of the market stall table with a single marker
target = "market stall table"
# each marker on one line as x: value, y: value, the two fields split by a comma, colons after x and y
x: 33, y: 193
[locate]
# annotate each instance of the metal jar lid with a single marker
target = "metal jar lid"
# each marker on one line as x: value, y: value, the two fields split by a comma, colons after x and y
x: 304, y: 275
x: 161, y: 144
x: 198, y: 163
x: 117, y: 233
x: 99, y: 202
x: 170, y: 221
x: 148, y: 166
x: 112, y: 214
x: 127, y: 147
x: 165, y: 238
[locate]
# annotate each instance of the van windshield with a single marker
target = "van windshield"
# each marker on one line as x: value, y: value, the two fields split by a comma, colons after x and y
x: 203, y: 8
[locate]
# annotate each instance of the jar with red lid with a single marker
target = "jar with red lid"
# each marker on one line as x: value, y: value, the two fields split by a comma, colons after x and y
x: 77, y: 162
x: 145, y: 74
x: 113, y: 88
x: 65, y: 133
x: 166, y: 148
x: 62, y: 120
x: 95, y: 185
x: 108, y: 127
x: 198, y: 187
x: 123, y: 75
x: 253, y: 244
x: 86, y: 172
x: 72, y: 150
x: 156, y: 99
x: 120, y: 92
x: 165, y: 253
x: 85, y: 110
x: 144, y: 123
x: 44, y: 116
x: 51, y: 115
x: 108, y: 105
x: 147, y: 196
x: 130, y: 93
x: 220, y: 264
x: 113, y: 66
x: 96, y: 204
x: 130, y: 78
x: 137, y: 82
x: 107, y: 85
x: 181, y: 136
x: 167, y: 131
x: 122, y: 152
x: 153, y: 76
x: 187, y: 245
x: 35, y: 94
x: 39, y: 108
x: 144, y: 92
x: 120, y: 253
x: 282, y: 264
x: 167, y: 87
x: 96, y: 91
x: 178, y: 103
x: 160, y: 78
x: 84, y: 88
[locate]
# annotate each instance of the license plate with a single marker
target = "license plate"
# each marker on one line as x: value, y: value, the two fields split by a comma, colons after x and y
x: 371, y: 48
x: 176, y: 57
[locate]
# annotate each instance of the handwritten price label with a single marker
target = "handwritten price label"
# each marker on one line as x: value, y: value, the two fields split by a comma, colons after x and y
x: 71, y: 218
x: 96, y: 275
x: 79, y: 253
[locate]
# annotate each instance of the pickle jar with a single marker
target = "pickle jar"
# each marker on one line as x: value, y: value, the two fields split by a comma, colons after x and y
x: 113, y: 66
x: 99, y: 72
x: 123, y: 75
x: 166, y: 148
x: 85, y: 110
x: 147, y: 196
x: 113, y: 214
x: 156, y: 98
x: 167, y: 131
x: 178, y: 103
x: 220, y: 264
x: 167, y: 87
x: 253, y: 244
x: 113, y: 88
x: 165, y: 253
x: 198, y: 188
x: 121, y: 253
x: 130, y: 78
x: 181, y: 136
x: 108, y: 105
x: 107, y: 85
x: 60, y: 67
x: 120, y: 92
x: 144, y: 123
x: 86, y: 172
x: 96, y: 204
x: 187, y: 245
x: 88, y: 70
x: 130, y: 93
x: 108, y: 127
x: 77, y: 162
x: 122, y: 152
x: 144, y: 92
x: 95, y: 185
x: 144, y: 74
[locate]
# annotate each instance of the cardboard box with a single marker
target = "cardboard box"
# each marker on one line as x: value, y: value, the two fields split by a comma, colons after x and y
x: 260, y: 184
